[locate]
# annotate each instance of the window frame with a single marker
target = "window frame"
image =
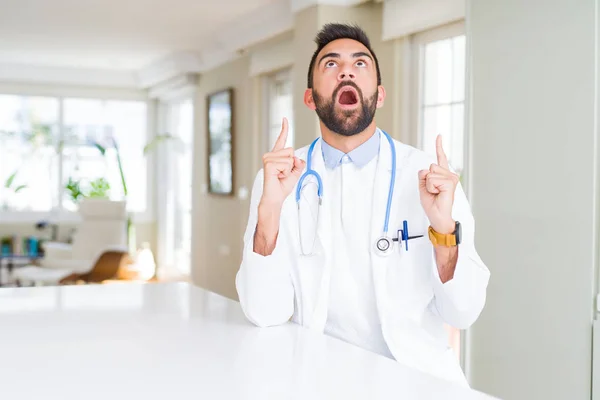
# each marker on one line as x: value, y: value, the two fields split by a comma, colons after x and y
x: 58, y: 214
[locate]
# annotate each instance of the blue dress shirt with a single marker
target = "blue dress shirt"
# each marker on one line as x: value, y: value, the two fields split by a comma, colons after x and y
x: 359, y: 156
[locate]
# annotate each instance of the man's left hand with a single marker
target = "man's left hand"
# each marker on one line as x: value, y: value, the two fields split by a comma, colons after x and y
x: 437, y: 186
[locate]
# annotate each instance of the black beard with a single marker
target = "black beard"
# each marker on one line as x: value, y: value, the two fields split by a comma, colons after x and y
x: 342, y: 122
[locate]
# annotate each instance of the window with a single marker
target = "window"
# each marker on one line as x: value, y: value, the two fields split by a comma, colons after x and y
x: 47, y: 142
x: 280, y: 105
x: 90, y: 121
x: 28, y: 152
x: 440, y: 55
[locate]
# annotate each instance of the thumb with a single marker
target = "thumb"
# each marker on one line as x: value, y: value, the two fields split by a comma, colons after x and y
x: 299, y: 165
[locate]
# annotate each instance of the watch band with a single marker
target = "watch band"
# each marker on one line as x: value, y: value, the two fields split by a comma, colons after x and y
x: 446, y: 240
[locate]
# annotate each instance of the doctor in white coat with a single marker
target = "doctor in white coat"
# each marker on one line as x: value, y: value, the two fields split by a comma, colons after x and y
x: 321, y: 266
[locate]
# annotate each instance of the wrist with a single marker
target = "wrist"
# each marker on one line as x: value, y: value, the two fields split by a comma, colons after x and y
x: 446, y: 237
x: 444, y: 227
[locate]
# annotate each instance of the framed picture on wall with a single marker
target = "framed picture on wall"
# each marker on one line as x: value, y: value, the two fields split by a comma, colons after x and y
x: 219, y: 109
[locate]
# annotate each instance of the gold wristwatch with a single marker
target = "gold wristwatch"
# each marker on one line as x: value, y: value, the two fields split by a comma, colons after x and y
x: 446, y: 240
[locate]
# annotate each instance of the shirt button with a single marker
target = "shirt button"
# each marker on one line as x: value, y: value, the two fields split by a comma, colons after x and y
x: 346, y: 159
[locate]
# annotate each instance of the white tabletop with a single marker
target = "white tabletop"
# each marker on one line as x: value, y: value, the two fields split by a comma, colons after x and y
x: 177, y: 341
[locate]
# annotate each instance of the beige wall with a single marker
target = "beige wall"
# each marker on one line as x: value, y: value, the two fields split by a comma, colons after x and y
x: 219, y: 222
x: 306, y: 26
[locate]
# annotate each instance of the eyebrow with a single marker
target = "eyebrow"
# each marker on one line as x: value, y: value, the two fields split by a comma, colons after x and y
x: 362, y: 54
x: 337, y: 55
x: 333, y: 55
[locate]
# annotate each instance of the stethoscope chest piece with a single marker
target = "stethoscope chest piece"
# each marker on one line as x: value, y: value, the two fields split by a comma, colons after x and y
x: 384, y: 245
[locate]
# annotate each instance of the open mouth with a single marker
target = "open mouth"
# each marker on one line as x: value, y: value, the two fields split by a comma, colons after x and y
x: 348, y: 96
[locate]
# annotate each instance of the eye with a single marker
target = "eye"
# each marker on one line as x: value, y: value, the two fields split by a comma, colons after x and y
x: 361, y: 64
x: 330, y: 64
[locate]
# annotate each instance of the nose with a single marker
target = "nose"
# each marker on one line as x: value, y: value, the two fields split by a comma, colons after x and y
x: 346, y: 74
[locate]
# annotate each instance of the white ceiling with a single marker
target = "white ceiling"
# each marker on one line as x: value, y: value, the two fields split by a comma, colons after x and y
x: 124, y: 35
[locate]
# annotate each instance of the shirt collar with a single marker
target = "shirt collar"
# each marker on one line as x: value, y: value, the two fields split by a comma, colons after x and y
x: 359, y: 156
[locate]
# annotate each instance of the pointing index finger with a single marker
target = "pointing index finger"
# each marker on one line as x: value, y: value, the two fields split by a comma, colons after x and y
x: 280, y: 142
x: 441, y: 156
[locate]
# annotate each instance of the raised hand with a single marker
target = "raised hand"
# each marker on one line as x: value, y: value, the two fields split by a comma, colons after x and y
x: 281, y: 170
x: 436, y: 187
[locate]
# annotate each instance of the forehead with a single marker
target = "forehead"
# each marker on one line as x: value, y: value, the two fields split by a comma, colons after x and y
x: 344, y: 47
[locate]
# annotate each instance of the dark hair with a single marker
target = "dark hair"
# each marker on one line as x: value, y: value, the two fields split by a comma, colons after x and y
x: 331, y: 32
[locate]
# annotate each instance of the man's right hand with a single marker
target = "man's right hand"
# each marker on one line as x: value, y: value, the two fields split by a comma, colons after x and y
x: 282, y: 170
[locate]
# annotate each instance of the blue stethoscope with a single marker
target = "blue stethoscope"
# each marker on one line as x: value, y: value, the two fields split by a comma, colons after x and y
x: 384, y: 244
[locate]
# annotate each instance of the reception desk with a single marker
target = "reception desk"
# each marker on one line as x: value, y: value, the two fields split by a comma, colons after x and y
x: 177, y: 341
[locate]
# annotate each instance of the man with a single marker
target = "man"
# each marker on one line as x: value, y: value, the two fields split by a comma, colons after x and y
x: 394, y: 303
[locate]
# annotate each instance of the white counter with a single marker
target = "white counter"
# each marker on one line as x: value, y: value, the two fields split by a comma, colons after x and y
x: 176, y: 341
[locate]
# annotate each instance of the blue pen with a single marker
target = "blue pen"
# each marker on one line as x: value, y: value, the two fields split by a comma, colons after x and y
x: 403, y: 235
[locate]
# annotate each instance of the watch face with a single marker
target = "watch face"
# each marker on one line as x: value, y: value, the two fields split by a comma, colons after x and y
x: 458, y: 233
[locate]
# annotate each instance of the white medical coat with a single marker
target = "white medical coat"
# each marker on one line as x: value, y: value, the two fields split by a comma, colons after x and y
x: 412, y: 302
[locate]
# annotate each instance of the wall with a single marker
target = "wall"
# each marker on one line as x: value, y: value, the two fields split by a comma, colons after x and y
x: 306, y: 25
x: 534, y: 178
x: 219, y: 221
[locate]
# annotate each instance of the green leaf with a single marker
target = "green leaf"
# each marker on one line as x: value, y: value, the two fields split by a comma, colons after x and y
x: 10, y: 179
x: 99, y: 188
x: 19, y: 188
x: 74, y: 189
x: 151, y: 145
x: 100, y: 148
x: 121, y: 172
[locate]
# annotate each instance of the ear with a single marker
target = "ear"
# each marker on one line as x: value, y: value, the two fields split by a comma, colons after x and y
x: 308, y: 99
x: 380, y: 96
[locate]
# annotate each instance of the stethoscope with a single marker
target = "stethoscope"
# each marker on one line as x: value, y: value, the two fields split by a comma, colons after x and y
x: 384, y: 245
